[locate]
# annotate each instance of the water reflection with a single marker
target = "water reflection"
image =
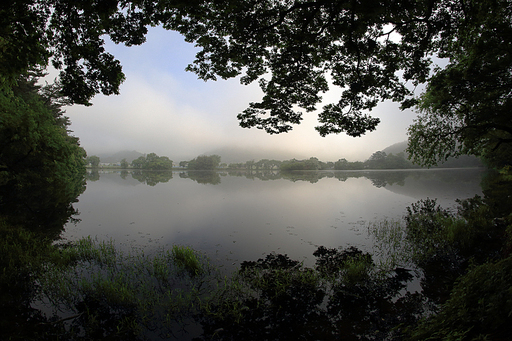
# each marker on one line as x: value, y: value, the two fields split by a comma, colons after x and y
x: 378, y: 178
x: 151, y: 178
x: 40, y: 205
x: 237, y: 216
x: 202, y: 177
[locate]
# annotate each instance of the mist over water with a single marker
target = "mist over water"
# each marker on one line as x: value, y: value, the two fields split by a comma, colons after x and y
x: 240, y: 217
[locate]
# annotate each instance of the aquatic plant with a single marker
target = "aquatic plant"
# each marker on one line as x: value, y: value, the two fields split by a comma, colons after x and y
x: 117, y: 294
x: 186, y: 258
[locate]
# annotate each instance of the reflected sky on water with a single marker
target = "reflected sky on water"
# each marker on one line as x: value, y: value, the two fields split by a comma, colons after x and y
x: 240, y: 217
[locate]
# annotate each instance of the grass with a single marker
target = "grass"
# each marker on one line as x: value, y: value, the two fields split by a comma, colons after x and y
x: 392, y: 246
x: 187, y: 259
x: 159, y: 292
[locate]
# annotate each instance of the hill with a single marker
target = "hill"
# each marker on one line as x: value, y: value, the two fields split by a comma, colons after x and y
x: 117, y: 157
x: 396, y: 148
x: 460, y: 162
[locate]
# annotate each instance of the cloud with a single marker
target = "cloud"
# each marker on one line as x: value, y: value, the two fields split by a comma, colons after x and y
x: 143, y: 118
x: 166, y: 110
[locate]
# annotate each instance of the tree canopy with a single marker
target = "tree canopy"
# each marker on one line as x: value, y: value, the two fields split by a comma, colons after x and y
x: 204, y: 162
x: 296, y: 50
x: 152, y: 161
x: 467, y: 104
x: 41, y: 167
x: 93, y: 160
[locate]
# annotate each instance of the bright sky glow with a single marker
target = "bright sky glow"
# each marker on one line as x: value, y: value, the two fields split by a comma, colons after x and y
x: 168, y: 111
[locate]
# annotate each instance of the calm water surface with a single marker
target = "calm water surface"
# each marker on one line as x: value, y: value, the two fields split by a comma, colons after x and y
x: 239, y: 217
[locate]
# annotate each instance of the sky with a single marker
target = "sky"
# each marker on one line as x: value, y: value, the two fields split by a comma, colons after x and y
x: 165, y: 110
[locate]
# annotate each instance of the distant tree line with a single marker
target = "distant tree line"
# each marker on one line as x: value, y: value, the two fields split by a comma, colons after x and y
x: 309, y: 164
x: 263, y: 164
x: 378, y: 160
x: 381, y: 160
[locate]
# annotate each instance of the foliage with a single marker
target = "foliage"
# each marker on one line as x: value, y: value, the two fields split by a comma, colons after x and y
x: 124, y: 164
x: 22, y: 254
x: 111, y: 294
x: 308, y: 164
x: 297, y: 43
x: 152, y: 161
x: 204, y: 162
x: 378, y: 160
x: 70, y: 35
x: 361, y: 46
x: 437, y: 232
x: 381, y: 160
x: 479, y: 308
x: 33, y: 133
x: 370, y: 50
x: 42, y: 172
x: 344, y: 164
x: 279, y: 298
x: 465, y: 264
x: 106, y: 293
x: 466, y: 106
x: 442, y: 243
x: 265, y: 164
x: 41, y: 167
x: 186, y: 258
x: 93, y: 160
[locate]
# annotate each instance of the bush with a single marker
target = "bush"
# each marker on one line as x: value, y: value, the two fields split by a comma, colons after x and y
x: 479, y: 308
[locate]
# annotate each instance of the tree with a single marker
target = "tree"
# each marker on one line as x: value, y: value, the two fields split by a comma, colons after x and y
x: 236, y: 165
x: 124, y: 164
x: 310, y: 164
x: 139, y: 162
x: 362, y: 45
x: 93, y: 160
x: 152, y: 161
x: 344, y: 164
x: 371, y: 50
x: 160, y: 163
x: 249, y: 164
x: 204, y: 162
x: 466, y: 106
x: 377, y: 160
x: 69, y: 34
x: 42, y: 168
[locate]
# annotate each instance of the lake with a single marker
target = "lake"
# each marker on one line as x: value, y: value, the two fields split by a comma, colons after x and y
x: 233, y: 217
